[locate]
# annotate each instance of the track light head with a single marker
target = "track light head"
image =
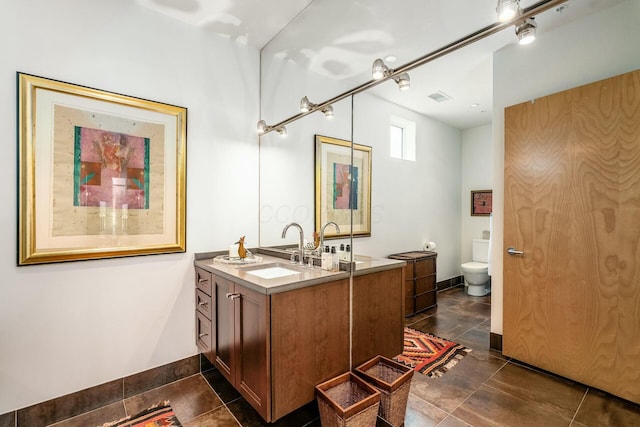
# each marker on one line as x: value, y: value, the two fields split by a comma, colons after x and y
x: 507, y: 9
x: 526, y: 31
x: 305, y: 105
x: 379, y: 69
x: 282, y: 131
x: 262, y: 127
x: 328, y: 112
x: 403, y: 81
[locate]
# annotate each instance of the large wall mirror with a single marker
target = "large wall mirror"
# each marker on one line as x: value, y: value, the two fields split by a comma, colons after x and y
x: 419, y: 192
x: 416, y: 197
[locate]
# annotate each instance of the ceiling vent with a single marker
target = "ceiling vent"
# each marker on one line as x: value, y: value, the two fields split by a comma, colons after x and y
x: 440, y: 96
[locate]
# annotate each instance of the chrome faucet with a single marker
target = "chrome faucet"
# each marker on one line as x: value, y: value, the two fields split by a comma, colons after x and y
x: 301, y: 244
x: 337, y: 227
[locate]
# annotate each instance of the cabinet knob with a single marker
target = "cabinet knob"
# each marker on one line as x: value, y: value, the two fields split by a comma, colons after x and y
x: 233, y: 296
x: 203, y: 303
x: 201, y: 280
x: 202, y: 335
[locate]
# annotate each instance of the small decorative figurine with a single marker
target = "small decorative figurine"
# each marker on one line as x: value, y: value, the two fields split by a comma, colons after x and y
x: 242, y: 252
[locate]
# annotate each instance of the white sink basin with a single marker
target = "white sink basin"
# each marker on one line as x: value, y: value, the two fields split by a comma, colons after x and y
x: 271, y: 271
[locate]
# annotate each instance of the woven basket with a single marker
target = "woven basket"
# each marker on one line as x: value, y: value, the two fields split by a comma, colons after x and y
x: 393, y: 380
x: 347, y: 401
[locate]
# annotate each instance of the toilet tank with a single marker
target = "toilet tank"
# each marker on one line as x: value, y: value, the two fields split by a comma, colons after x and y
x: 480, y: 250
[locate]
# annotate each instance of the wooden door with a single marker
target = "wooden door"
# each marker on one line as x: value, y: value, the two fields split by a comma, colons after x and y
x: 572, y: 205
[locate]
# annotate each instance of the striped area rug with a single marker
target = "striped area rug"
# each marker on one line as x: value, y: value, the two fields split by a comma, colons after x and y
x: 428, y: 354
x: 158, y: 415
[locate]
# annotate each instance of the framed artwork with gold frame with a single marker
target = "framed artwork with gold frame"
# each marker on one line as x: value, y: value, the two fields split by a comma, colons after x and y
x: 343, y: 187
x: 100, y: 174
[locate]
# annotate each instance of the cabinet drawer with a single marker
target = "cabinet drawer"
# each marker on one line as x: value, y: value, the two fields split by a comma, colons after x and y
x: 425, y: 284
x: 203, y: 280
x: 409, y: 308
x: 203, y: 303
x: 409, y: 288
x: 203, y: 332
x: 424, y: 301
x: 425, y: 267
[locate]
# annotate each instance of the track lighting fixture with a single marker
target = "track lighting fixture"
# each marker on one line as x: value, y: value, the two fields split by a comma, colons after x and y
x: 507, y: 9
x: 526, y: 31
x: 282, y: 130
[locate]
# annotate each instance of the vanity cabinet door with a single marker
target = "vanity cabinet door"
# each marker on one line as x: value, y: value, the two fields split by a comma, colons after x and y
x: 223, y: 294
x: 252, y: 373
x: 242, y: 341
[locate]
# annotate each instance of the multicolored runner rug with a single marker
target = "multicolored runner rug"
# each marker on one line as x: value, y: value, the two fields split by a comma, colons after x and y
x: 428, y: 354
x: 160, y: 415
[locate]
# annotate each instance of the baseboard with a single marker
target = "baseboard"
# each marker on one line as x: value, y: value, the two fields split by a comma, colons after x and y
x: 495, y: 341
x: 74, y: 404
x: 450, y: 283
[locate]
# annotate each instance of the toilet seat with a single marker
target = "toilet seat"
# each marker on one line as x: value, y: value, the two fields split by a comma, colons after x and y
x: 475, y: 266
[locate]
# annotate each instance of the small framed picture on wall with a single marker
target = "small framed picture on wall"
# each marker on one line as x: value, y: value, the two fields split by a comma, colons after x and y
x: 481, y: 202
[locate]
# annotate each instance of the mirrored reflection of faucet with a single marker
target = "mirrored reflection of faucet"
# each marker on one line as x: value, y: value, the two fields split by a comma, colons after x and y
x: 301, y: 244
x: 337, y: 227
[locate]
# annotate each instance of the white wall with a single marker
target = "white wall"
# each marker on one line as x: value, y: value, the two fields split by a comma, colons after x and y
x: 583, y: 51
x: 412, y: 202
x: 65, y: 327
x: 476, y: 175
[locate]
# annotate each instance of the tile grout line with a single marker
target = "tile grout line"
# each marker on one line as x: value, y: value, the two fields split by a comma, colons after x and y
x: 221, y: 401
x: 478, y: 388
x: 579, y: 406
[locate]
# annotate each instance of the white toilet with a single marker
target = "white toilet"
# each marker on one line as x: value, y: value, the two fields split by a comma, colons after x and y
x: 476, y: 275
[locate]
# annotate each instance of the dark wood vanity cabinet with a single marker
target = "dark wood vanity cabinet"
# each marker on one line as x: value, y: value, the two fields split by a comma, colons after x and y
x: 420, y: 285
x: 274, y: 348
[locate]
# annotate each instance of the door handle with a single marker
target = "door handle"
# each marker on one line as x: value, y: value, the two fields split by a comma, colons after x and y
x: 233, y: 296
x: 514, y: 251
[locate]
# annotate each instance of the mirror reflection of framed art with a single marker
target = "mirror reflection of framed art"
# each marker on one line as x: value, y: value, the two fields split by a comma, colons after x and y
x: 342, y: 187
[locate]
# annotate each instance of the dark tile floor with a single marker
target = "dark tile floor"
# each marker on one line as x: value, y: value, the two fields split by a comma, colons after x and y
x: 483, y: 389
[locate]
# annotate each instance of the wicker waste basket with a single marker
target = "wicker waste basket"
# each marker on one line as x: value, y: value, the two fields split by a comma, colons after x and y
x: 393, y: 380
x: 347, y: 401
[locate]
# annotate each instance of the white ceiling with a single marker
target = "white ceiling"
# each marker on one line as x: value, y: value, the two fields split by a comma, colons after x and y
x: 339, y: 39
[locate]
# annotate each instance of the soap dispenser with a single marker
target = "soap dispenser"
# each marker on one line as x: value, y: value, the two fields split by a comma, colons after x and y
x: 325, y: 259
x: 335, y: 262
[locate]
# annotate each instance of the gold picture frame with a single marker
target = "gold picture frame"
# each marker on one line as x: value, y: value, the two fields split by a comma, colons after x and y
x: 100, y: 174
x: 342, y: 187
x: 481, y: 202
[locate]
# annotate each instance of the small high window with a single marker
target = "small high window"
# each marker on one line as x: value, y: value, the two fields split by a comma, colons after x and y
x: 402, y: 139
